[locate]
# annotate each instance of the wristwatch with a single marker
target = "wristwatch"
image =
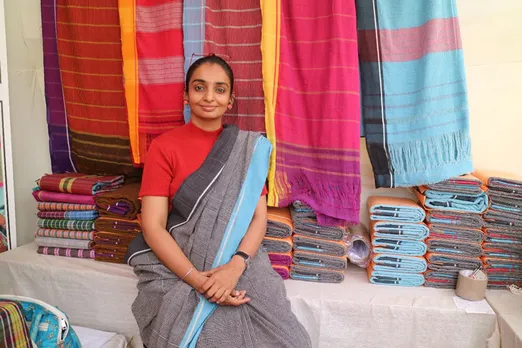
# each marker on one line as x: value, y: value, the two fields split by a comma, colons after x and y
x: 245, y: 257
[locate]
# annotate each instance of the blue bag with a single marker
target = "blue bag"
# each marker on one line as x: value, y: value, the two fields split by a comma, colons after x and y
x: 48, y: 326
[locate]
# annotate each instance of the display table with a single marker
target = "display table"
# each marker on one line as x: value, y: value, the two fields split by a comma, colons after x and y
x: 508, y: 307
x: 354, y: 313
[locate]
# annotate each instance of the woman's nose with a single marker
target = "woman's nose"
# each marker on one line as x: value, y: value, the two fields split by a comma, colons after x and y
x: 209, y: 95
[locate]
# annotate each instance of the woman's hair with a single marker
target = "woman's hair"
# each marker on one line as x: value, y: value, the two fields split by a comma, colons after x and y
x: 210, y: 59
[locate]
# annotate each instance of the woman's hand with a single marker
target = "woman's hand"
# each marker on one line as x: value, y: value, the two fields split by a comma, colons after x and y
x: 235, y: 300
x: 222, y: 280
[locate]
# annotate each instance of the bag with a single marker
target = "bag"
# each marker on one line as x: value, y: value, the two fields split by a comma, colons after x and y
x: 48, y: 326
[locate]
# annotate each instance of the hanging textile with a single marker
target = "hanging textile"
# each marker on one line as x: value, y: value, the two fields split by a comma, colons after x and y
x: 152, y: 44
x: 414, y: 94
x: 89, y: 49
x: 59, y: 140
x: 311, y: 85
x: 232, y: 30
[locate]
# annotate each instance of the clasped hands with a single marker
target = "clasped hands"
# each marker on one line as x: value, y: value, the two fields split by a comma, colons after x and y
x: 219, y: 284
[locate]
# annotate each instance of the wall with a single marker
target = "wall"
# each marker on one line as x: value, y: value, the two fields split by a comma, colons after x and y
x: 491, y: 34
x: 28, y: 113
x: 492, y: 40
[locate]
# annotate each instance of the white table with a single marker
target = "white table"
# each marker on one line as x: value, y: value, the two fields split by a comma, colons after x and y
x: 354, y: 313
x: 508, y: 307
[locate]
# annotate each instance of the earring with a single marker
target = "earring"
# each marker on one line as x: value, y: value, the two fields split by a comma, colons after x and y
x: 229, y: 106
x: 185, y: 102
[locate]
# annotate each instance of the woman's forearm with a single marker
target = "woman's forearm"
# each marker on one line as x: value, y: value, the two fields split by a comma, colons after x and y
x: 170, y: 254
x: 256, y: 231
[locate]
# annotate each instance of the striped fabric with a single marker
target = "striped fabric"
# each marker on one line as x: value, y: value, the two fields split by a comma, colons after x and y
x: 66, y: 224
x: 69, y: 215
x: 59, y: 140
x: 64, y: 243
x: 311, y: 85
x: 47, y: 196
x: 79, y: 184
x: 90, y: 57
x: 47, y: 232
x: 152, y: 40
x: 13, y: 327
x: 230, y: 28
x: 68, y: 252
x: 414, y: 96
x: 54, y: 206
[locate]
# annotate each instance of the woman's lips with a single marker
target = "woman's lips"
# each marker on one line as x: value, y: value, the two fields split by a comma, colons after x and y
x: 208, y: 108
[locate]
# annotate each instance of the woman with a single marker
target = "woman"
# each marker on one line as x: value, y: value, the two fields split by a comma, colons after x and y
x: 202, y: 278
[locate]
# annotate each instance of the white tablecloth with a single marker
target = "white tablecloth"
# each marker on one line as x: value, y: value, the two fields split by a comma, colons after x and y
x: 352, y: 314
x: 508, y: 307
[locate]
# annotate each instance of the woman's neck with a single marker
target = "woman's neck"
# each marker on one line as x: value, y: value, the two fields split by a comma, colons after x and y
x: 207, y: 125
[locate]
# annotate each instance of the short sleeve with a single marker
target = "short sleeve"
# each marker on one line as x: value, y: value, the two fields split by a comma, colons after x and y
x: 157, y: 173
x: 265, y: 191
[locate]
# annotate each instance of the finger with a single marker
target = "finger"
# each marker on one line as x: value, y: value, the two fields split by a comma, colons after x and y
x: 223, y: 297
x: 241, y: 295
x: 207, y: 285
x: 218, y: 295
x: 212, y: 291
x: 235, y: 302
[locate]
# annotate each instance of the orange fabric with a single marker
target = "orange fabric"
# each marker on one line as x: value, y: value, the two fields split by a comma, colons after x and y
x: 281, y: 215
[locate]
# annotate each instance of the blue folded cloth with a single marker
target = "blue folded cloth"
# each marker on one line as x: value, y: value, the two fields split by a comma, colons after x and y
x: 395, y: 278
x: 475, y: 203
x: 399, y: 263
x: 403, y: 230
x: 395, y: 209
x: 399, y: 247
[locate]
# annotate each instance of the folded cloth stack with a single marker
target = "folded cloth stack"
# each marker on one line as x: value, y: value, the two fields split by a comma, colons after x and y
x: 319, y: 251
x: 118, y: 223
x: 397, y: 239
x: 67, y: 212
x: 453, y: 216
x: 278, y: 240
x: 358, y: 245
x: 502, y: 227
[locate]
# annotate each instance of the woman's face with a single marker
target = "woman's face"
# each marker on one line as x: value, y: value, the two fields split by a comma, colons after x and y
x: 209, y: 93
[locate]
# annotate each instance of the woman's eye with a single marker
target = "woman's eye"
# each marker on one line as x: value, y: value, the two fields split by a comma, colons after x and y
x: 220, y: 90
x: 198, y: 88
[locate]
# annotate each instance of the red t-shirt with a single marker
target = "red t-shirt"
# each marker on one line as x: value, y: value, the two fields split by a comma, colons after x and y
x: 173, y: 156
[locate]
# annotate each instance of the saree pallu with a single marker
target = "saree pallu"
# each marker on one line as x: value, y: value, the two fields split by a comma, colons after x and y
x: 117, y: 225
x: 404, y: 230
x: 63, y: 243
x: 232, y: 30
x: 68, y: 215
x: 90, y: 57
x: 67, y: 252
x: 54, y: 206
x: 414, y: 94
x: 308, y: 259
x: 454, y: 218
x: 311, y: 87
x: 68, y: 234
x: 452, y: 201
x: 460, y: 234
x: 212, y: 211
x: 78, y: 225
x: 57, y: 125
x: 399, y: 263
x: 46, y: 196
x: 79, y: 184
x: 359, y: 246
x: 317, y: 245
x: 123, y: 202
x: 152, y: 50
x: 315, y: 274
x: 502, y: 183
x: 394, y: 209
x: 395, y: 278
x: 454, y: 247
x: 281, y: 259
x: 279, y: 224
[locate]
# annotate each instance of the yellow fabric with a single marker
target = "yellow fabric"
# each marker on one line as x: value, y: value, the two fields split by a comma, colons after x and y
x: 127, y: 11
x: 270, y: 40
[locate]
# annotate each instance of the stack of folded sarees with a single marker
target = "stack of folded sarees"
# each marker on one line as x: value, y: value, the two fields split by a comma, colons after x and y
x: 67, y: 212
x: 319, y: 251
x: 397, y: 236
x: 502, y: 247
x: 118, y: 223
x: 278, y: 240
x: 453, y: 217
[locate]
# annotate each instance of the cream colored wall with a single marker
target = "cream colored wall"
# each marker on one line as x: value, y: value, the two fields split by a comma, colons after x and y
x: 492, y: 39
x: 28, y: 113
x: 491, y: 33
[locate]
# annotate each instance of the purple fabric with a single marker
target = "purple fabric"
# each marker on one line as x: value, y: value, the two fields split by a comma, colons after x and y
x: 46, y: 196
x: 59, y: 145
x: 280, y: 259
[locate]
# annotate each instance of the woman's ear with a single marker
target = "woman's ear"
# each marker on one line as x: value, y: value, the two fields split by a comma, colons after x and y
x: 185, y: 98
x: 232, y: 99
